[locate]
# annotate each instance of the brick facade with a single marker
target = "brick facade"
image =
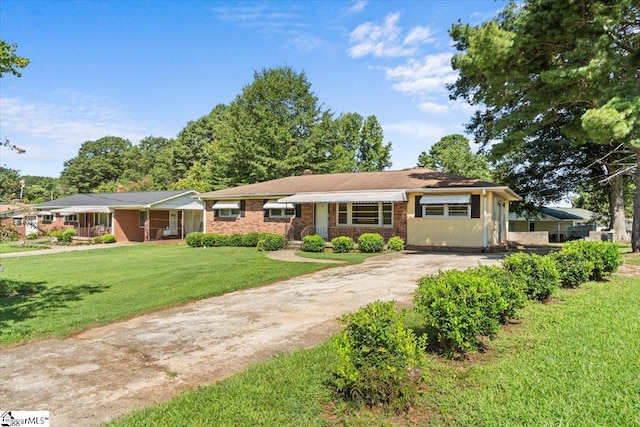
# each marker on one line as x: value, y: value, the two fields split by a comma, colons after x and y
x: 126, y: 226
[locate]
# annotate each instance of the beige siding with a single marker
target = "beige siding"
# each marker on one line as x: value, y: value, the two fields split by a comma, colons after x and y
x: 444, y: 232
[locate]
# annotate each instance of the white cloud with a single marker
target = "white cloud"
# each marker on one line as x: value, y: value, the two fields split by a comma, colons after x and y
x: 433, y: 107
x: 418, y: 35
x: 379, y: 40
x: 423, y: 77
x: 72, y: 119
x: 357, y: 6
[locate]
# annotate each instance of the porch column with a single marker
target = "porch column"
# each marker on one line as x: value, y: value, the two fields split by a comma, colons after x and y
x: 182, y: 224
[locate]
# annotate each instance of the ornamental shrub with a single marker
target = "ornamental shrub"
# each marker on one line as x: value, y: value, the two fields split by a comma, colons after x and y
x: 342, y: 244
x: 511, y: 287
x: 313, y: 243
x: 380, y: 360
x: 96, y: 239
x: 396, y: 243
x: 32, y: 236
x: 538, y: 274
x: 250, y: 240
x: 194, y: 239
x: 573, y: 267
x: 604, y: 256
x: 108, y: 238
x: 460, y: 306
x: 208, y: 240
x: 271, y: 242
x: 220, y: 240
x: 370, y: 242
x: 236, y: 239
x: 67, y: 235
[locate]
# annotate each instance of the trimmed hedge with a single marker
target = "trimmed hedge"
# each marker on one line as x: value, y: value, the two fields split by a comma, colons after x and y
x: 236, y: 239
x: 108, y: 238
x: 194, y: 239
x: 313, y: 243
x: 460, y: 306
x: 271, y: 242
x: 538, y: 274
x: 342, y: 244
x: 511, y: 288
x: 573, y: 267
x: 250, y: 240
x: 605, y: 256
x: 395, y: 244
x: 380, y: 360
x: 63, y: 236
x: 370, y: 243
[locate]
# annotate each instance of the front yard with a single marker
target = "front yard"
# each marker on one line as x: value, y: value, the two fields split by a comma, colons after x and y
x: 60, y: 294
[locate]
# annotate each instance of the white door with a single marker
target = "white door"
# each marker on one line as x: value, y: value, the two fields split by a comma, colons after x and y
x: 322, y: 220
x: 30, y: 225
x: 173, y: 222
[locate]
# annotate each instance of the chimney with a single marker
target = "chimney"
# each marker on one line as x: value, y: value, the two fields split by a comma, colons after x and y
x: 307, y: 172
x: 121, y: 189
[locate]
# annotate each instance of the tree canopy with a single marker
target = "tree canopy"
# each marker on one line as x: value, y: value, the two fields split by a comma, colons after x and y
x: 554, y: 66
x: 452, y: 154
x: 10, y: 62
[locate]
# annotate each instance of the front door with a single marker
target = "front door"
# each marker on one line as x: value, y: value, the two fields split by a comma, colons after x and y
x: 322, y: 220
x: 30, y: 225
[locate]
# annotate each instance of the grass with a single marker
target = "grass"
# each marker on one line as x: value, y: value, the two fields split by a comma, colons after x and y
x: 63, y: 293
x: 7, y: 248
x: 349, y: 258
x: 572, y: 362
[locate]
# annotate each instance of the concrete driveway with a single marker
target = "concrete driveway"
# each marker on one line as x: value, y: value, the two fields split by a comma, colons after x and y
x: 108, y: 371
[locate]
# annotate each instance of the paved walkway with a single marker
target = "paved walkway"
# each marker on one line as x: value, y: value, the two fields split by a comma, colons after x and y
x: 108, y: 371
x: 290, y: 256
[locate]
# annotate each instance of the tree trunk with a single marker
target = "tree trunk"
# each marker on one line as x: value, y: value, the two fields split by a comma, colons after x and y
x: 616, y: 205
x: 635, y: 231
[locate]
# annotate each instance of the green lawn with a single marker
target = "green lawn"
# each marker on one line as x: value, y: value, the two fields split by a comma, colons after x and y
x: 63, y: 293
x: 572, y: 362
x: 6, y: 248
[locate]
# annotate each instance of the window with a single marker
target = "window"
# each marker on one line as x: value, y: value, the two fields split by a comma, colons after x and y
x: 47, y: 218
x: 142, y: 219
x: 72, y: 218
x: 282, y: 213
x: 17, y: 222
x: 101, y: 219
x: 532, y: 226
x: 365, y: 214
x: 228, y: 213
x: 453, y: 210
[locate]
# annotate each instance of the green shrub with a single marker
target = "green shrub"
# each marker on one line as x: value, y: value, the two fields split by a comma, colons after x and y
x: 396, y: 243
x: 511, y: 287
x: 250, y: 240
x: 342, y: 244
x: 32, y: 236
x: 67, y: 235
x: 220, y: 240
x: 236, y: 239
x: 460, y: 306
x: 194, y: 239
x: 208, y: 240
x: 96, y: 239
x: 573, y: 267
x: 271, y: 242
x: 313, y: 243
x: 538, y: 274
x: 370, y: 242
x: 380, y: 361
x: 108, y: 238
x: 604, y: 256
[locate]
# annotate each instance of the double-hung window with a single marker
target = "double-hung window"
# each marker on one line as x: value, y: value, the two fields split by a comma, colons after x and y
x: 446, y: 206
x: 365, y: 214
x: 275, y: 209
x: 227, y: 209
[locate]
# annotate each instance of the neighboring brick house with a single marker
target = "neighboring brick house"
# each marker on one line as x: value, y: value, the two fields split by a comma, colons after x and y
x: 427, y: 209
x: 18, y: 219
x: 129, y: 216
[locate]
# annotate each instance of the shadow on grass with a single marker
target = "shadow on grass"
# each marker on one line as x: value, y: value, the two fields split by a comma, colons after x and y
x: 20, y: 301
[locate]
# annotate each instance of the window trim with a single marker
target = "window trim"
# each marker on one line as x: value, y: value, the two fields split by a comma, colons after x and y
x: 72, y: 218
x: 47, y: 218
x: 349, y: 215
x: 18, y: 222
x: 445, y: 213
x: 142, y: 219
x: 281, y: 213
x: 228, y: 213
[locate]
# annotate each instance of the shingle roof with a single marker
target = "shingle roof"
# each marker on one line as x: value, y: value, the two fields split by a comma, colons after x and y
x: 353, y: 181
x: 134, y: 198
x: 568, y: 213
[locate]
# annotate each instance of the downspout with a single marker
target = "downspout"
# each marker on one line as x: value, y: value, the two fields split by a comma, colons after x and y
x: 484, y: 220
x: 204, y: 215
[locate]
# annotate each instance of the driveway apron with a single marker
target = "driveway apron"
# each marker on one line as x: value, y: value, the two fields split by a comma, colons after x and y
x: 108, y: 371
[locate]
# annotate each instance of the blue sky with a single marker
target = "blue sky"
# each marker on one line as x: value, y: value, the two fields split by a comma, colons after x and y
x: 140, y: 68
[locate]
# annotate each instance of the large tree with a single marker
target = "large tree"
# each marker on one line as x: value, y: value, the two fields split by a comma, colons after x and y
x: 98, y: 162
x: 452, y: 154
x: 10, y: 62
x: 571, y: 66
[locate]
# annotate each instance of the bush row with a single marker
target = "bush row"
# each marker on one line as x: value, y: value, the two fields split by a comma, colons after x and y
x: 253, y: 239
x: 63, y: 236
x: 380, y: 360
x: 368, y: 242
